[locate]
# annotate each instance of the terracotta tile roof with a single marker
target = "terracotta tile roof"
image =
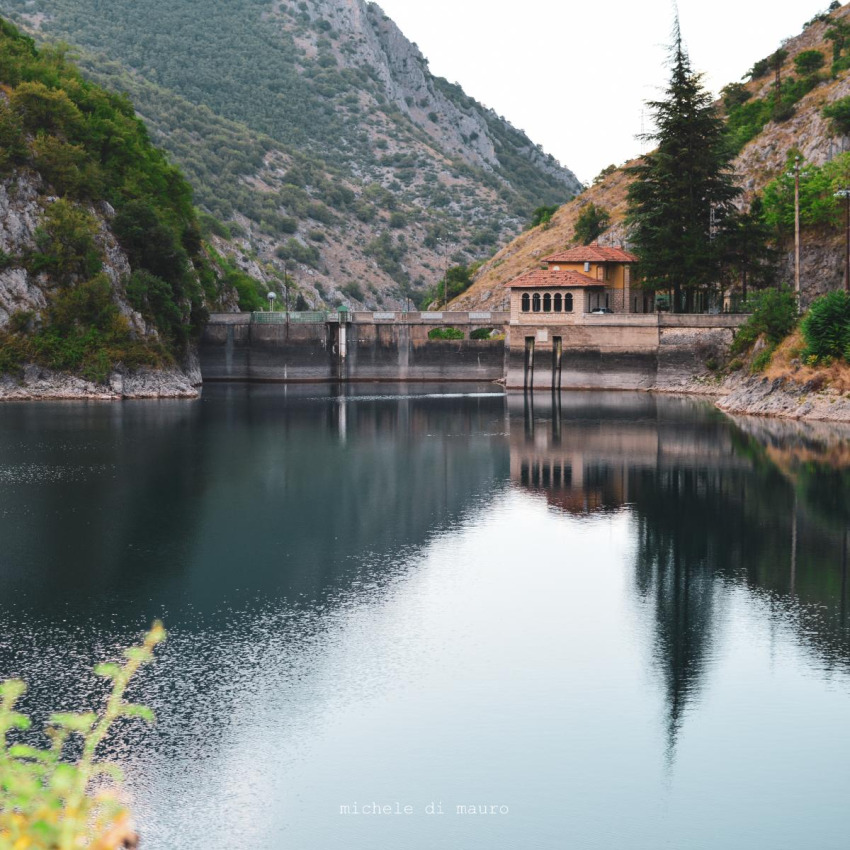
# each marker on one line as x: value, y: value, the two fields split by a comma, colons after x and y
x: 593, y: 253
x: 547, y: 277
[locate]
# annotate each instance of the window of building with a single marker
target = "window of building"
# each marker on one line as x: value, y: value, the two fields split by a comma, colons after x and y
x: 586, y: 267
x: 559, y: 302
x: 526, y: 302
x: 535, y: 303
x: 568, y: 303
x: 607, y: 272
x: 547, y: 303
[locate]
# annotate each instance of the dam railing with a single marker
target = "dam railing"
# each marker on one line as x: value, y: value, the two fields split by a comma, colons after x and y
x: 369, y: 317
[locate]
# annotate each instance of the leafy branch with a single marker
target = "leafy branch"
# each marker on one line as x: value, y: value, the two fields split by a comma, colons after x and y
x: 50, y: 803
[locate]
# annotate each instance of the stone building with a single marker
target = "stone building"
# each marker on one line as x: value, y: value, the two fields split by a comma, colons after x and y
x: 577, y: 282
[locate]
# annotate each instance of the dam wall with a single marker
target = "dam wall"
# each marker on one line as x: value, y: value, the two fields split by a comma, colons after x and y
x: 235, y: 348
x: 613, y: 351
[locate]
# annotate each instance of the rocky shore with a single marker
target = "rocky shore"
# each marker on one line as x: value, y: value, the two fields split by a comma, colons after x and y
x: 757, y: 395
x: 784, y: 399
x: 36, y: 384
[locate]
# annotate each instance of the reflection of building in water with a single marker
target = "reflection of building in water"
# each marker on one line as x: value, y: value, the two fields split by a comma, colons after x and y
x: 582, y: 452
x: 710, y: 508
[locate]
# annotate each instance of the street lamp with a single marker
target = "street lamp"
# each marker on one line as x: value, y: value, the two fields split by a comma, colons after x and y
x: 271, y: 296
x: 445, y: 242
x: 797, y: 228
x: 845, y: 193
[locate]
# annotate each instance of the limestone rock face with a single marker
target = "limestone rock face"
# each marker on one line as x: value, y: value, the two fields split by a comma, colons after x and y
x: 23, y: 200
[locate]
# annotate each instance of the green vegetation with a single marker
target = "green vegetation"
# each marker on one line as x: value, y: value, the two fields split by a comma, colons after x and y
x: 774, y: 316
x: 89, y: 146
x: 592, y: 221
x: 746, y: 117
x: 445, y: 333
x: 459, y: 279
x: 82, y: 331
x: 56, y: 798
x: 818, y: 205
x: 839, y: 113
x: 809, y: 61
x: 681, y: 200
x: 481, y: 333
x: 826, y: 327
x: 255, y: 101
x: 543, y: 215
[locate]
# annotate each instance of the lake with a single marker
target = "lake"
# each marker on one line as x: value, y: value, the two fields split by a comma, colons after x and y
x: 603, y: 620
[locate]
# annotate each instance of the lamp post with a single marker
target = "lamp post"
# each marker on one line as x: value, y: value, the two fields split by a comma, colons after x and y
x: 286, y: 285
x: 271, y: 296
x: 797, y: 228
x: 445, y: 242
x: 845, y: 193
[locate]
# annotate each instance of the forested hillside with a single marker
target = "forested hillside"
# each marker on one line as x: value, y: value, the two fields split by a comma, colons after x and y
x: 795, y: 102
x: 102, y: 261
x: 317, y: 133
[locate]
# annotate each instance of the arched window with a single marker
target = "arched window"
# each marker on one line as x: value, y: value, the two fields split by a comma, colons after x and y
x: 535, y: 303
x: 547, y: 303
x: 568, y: 303
x: 559, y: 301
x: 526, y: 302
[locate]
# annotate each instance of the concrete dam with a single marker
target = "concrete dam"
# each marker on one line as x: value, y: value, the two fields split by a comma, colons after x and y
x: 614, y: 351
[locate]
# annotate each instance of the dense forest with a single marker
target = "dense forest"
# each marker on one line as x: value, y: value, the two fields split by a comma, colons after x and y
x: 316, y: 130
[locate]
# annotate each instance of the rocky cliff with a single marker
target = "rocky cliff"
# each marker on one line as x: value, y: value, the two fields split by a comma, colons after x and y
x: 317, y: 132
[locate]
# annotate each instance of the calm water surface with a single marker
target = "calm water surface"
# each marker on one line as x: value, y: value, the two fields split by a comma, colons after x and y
x: 621, y: 618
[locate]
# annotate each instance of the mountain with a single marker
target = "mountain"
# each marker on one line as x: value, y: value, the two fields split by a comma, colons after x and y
x: 765, y: 132
x: 317, y: 133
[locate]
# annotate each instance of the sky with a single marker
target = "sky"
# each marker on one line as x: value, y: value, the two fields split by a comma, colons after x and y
x: 575, y: 75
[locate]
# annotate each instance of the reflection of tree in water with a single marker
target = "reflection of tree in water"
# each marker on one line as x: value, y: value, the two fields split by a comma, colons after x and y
x: 673, y: 573
x: 712, y: 506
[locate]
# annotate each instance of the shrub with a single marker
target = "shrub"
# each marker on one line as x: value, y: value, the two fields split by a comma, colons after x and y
x: 774, y: 314
x: 762, y: 360
x: 591, y: 222
x: 56, y: 797
x: 839, y: 113
x: 759, y: 69
x: 826, y: 327
x: 154, y: 298
x: 809, y: 61
x: 353, y: 290
x: 66, y: 242
x: 481, y: 333
x: 543, y: 215
x: 445, y: 333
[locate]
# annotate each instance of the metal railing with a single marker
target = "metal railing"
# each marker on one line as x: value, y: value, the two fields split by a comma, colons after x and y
x: 315, y: 317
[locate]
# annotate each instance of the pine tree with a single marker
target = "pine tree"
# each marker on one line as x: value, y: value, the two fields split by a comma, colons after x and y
x: 681, y: 200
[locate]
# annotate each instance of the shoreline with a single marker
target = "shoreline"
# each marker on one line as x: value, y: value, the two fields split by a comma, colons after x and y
x: 751, y: 395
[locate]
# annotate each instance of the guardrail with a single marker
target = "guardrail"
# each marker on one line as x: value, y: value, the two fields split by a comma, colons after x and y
x: 315, y: 317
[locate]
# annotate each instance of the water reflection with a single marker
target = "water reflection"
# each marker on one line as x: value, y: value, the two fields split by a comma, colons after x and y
x: 759, y: 503
x: 418, y: 591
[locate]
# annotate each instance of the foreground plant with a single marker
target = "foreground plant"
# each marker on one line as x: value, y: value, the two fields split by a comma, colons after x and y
x: 50, y: 803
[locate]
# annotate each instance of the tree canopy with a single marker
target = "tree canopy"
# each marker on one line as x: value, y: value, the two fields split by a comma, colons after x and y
x: 681, y: 199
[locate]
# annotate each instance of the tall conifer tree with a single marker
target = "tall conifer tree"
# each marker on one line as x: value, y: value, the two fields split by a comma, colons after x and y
x: 681, y: 200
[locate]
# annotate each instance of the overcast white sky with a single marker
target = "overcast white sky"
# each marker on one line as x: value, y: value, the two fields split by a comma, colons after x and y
x: 574, y: 75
